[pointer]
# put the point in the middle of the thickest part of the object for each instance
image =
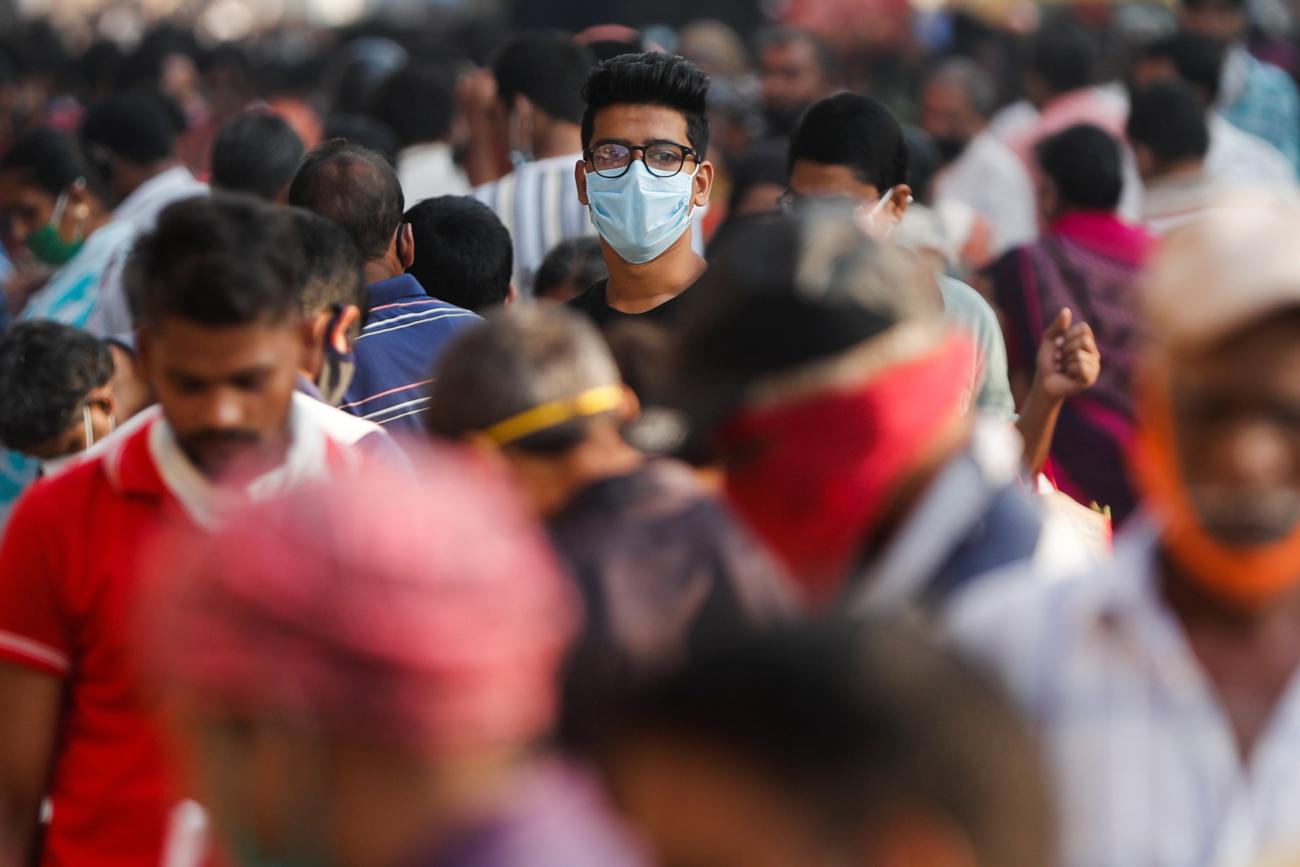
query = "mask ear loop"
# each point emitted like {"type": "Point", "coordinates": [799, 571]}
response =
{"type": "Point", "coordinates": [87, 427]}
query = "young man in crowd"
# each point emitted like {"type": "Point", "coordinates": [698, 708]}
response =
{"type": "Point", "coordinates": [216, 301]}
{"type": "Point", "coordinates": [823, 744]}
{"type": "Point", "coordinates": [258, 153]}
{"type": "Point", "coordinates": [851, 147]}
{"type": "Point", "coordinates": [1170, 140]}
{"type": "Point", "coordinates": [1164, 684]}
{"type": "Point", "coordinates": [58, 388]}
{"type": "Point", "coordinates": [796, 68]}
{"type": "Point", "coordinates": [645, 139]}
{"type": "Point", "coordinates": [655, 557]}
{"type": "Point", "coordinates": [130, 140]}
{"type": "Point", "coordinates": [821, 374]}
{"type": "Point", "coordinates": [417, 624]}
{"type": "Point", "coordinates": [418, 104]}
{"type": "Point", "coordinates": [406, 329]}
{"type": "Point", "coordinates": [462, 251]}
{"type": "Point", "coordinates": [538, 82]}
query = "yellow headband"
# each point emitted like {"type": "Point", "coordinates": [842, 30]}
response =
{"type": "Point", "coordinates": [591, 402]}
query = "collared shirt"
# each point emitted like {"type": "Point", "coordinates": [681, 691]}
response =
{"type": "Point", "coordinates": [396, 353]}
{"type": "Point", "coordinates": [1146, 766]}
{"type": "Point", "coordinates": [428, 170]}
{"type": "Point", "coordinates": [70, 583]}
{"type": "Point", "coordinates": [1262, 99]}
{"type": "Point", "coordinates": [994, 183]}
{"type": "Point", "coordinates": [140, 212]}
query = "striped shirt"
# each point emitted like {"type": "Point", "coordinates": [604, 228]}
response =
{"type": "Point", "coordinates": [538, 203]}
{"type": "Point", "coordinates": [396, 352]}
{"type": "Point", "coordinates": [1145, 763]}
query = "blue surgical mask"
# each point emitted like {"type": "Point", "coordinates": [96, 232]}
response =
{"type": "Point", "coordinates": [640, 215]}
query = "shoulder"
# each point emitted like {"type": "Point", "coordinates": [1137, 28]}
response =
{"type": "Point", "coordinates": [968, 306]}
{"type": "Point", "coordinates": [591, 301]}
{"type": "Point", "coordinates": [336, 424]}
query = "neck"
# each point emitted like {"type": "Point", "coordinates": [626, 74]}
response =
{"type": "Point", "coordinates": [557, 139]}
{"type": "Point", "coordinates": [137, 176]}
{"type": "Point", "coordinates": [1179, 172]}
{"type": "Point", "coordinates": [638, 288]}
{"type": "Point", "coordinates": [604, 455]}
{"type": "Point", "coordinates": [377, 270]}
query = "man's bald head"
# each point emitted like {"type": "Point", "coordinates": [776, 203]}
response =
{"type": "Point", "coordinates": [354, 187]}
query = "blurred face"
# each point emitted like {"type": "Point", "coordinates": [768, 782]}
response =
{"type": "Point", "coordinates": [226, 391]}
{"type": "Point", "coordinates": [25, 206]}
{"type": "Point", "coordinates": [94, 421]}
{"type": "Point", "coordinates": [948, 116]}
{"type": "Point", "coordinates": [811, 181]}
{"type": "Point", "coordinates": [1237, 413]}
{"type": "Point", "coordinates": [1217, 19]}
{"type": "Point", "coordinates": [792, 79]}
{"type": "Point", "coordinates": [697, 808]}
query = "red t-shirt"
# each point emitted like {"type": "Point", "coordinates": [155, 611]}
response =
{"type": "Point", "coordinates": [69, 584]}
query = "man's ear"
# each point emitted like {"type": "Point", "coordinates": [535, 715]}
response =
{"type": "Point", "coordinates": [897, 206]}
{"type": "Point", "coordinates": [631, 407]}
{"type": "Point", "coordinates": [580, 178]}
{"type": "Point", "coordinates": [703, 184]}
{"type": "Point", "coordinates": [406, 245]}
{"type": "Point", "coordinates": [312, 334]}
{"type": "Point", "coordinates": [512, 296]}
{"type": "Point", "coordinates": [340, 337]}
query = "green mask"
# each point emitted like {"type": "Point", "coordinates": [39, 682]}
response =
{"type": "Point", "coordinates": [47, 245]}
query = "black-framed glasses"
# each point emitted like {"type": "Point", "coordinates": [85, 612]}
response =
{"type": "Point", "coordinates": [663, 159]}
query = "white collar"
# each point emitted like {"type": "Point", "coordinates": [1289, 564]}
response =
{"type": "Point", "coordinates": [208, 504]}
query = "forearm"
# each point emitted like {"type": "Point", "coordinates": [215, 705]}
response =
{"type": "Point", "coordinates": [1037, 425]}
{"type": "Point", "coordinates": [19, 825]}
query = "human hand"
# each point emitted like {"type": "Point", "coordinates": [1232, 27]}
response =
{"type": "Point", "coordinates": [1068, 360]}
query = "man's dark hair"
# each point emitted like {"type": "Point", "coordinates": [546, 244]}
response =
{"type": "Point", "coordinates": [1196, 5]}
{"type": "Point", "coordinates": [852, 130]}
{"type": "Point", "coordinates": [1086, 165]}
{"type": "Point", "coordinates": [1169, 119]}
{"type": "Point", "coordinates": [650, 79]}
{"type": "Point", "coordinates": [463, 253]}
{"type": "Point", "coordinates": [827, 59]}
{"type": "Point", "coordinates": [1197, 58]}
{"type": "Point", "coordinates": [51, 160]}
{"type": "Point", "coordinates": [217, 261]}
{"type": "Point", "coordinates": [256, 152]}
{"type": "Point", "coordinates": [359, 129]}
{"type": "Point", "coordinates": [417, 103]}
{"type": "Point", "coordinates": [46, 371]}
{"type": "Point", "coordinates": [1064, 56]}
{"type": "Point", "coordinates": [547, 68]}
{"type": "Point", "coordinates": [356, 188]}
{"type": "Point", "coordinates": [846, 721]}
{"type": "Point", "coordinates": [135, 126]}
{"type": "Point", "coordinates": [331, 265]}
{"type": "Point", "coordinates": [578, 261]}
{"type": "Point", "coordinates": [520, 358]}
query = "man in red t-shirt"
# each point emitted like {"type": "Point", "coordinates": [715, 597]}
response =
{"type": "Point", "coordinates": [221, 337]}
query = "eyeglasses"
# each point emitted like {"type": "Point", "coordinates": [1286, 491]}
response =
{"type": "Point", "coordinates": [663, 159]}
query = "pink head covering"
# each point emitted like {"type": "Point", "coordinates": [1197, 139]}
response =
{"type": "Point", "coordinates": [426, 610]}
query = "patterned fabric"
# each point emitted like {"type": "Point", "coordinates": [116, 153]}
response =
{"type": "Point", "coordinates": [1088, 263]}
{"type": "Point", "coordinates": [1263, 100]}
{"type": "Point", "coordinates": [1146, 766]}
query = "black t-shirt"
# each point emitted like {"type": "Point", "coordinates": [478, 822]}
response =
{"type": "Point", "coordinates": [593, 303]}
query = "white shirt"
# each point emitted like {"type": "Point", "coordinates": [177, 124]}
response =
{"type": "Point", "coordinates": [1169, 203]}
{"type": "Point", "coordinates": [993, 181]}
{"type": "Point", "coordinates": [1236, 155]}
{"type": "Point", "coordinates": [429, 170]}
{"type": "Point", "coordinates": [1145, 764]}
{"type": "Point", "coordinates": [140, 210]}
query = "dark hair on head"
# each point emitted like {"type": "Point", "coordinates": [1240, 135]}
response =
{"type": "Point", "coordinates": [51, 160]}
{"type": "Point", "coordinates": [763, 162]}
{"type": "Point", "coordinates": [463, 253]}
{"type": "Point", "coordinates": [144, 66]}
{"type": "Point", "coordinates": [827, 58]}
{"type": "Point", "coordinates": [366, 132]}
{"type": "Point", "coordinates": [217, 261]}
{"type": "Point", "coordinates": [46, 371]}
{"type": "Point", "coordinates": [1169, 119]}
{"type": "Point", "coordinates": [1064, 56]}
{"type": "Point", "coordinates": [923, 162]}
{"type": "Point", "coordinates": [331, 265]}
{"type": "Point", "coordinates": [1086, 165]}
{"type": "Point", "coordinates": [577, 261]}
{"type": "Point", "coordinates": [857, 131]}
{"type": "Point", "coordinates": [136, 126]}
{"type": "Point", "coordinates": [417, 103]}
{"type": "Point", "coordinates": [356, 188]}
{"type": "Point", "coordinates": [1197, 58]}
{"type": "Point", "coordinates": [650, 79]}
{"type": "Point", "coordinates": [256, 152]}
{"type": "Point", "coordinates": [547, 68]}
{"type": "Point", "coordinates": [519, 358]}
{"type": "Point", "coordinates": [844, 722]}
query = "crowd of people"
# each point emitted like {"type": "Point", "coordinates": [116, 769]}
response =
{"type": "Point", "coordinates": [463, 447]}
